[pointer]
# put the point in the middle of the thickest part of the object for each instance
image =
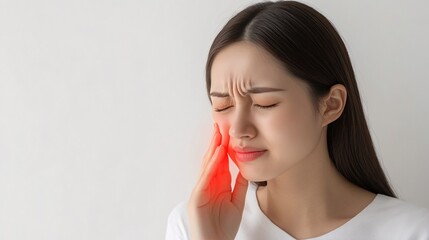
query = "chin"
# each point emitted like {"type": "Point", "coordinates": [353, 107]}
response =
{"type": "Point", "coordinates": [253, 176]}
{"type": "Point", "coordinates": [251, 173]}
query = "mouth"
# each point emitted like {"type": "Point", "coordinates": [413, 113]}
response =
{"type": "Point", "coordinates": [247, 156]}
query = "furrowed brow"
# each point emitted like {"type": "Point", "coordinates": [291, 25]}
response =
{"type": "Point", "coordinates": [256, 90]}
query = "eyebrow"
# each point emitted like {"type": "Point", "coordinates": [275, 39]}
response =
{"type": "Point", "coordinates": [255, 90]}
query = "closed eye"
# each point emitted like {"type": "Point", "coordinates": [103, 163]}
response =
{"type": "Point", "coordinates": [256, 105]}
{"type": "Point", "coordinates": [269, 106]}
{"type": "Point", "coordinates": [220, 110]}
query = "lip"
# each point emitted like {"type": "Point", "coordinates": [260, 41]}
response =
{"type": "Point", "coordinates": [248, 154]}
{"type": "Point", "coordinates": [247, 149]}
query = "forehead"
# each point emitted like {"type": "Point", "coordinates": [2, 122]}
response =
{"type": "Point", "coordinates": [248, 65]}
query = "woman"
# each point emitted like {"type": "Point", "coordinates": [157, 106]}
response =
{"type": "Point", "coordinates": [288, 113]}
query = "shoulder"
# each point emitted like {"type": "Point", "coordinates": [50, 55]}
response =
{"type": "Point", "coordinates": [401, 208]}
{"type": "Point", "coordinates": [404, 218]}
{"type": "Point", "coordinates": [177, 223]}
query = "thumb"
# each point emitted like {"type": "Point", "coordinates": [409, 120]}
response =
{"type": "Point", "coordinates": [239, 194]}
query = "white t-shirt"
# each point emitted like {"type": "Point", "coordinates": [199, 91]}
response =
{"type": "Point", "coordinates": [384, 218]}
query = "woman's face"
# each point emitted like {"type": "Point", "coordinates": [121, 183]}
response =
{"type": "Point", "coordinates": [288, 131]}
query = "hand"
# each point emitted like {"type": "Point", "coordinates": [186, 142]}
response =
{"type": "Point", "coordinates": [215, 211]}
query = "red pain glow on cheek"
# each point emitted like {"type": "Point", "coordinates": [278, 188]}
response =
{"type": "Point", "coordinates": [221, 180]}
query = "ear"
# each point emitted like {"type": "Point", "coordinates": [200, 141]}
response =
{"type": "Point", "coordinates": [332, 105]}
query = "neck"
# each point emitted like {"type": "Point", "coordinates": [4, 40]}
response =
{"type": "Point", "coordinates": [306, 192]}
{"type": "Point", "coordinates": [311, 193]}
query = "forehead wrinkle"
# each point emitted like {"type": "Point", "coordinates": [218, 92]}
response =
{"type": "Point", "coordinates": [238, 84]}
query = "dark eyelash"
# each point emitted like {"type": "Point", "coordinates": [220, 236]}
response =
{"type": "Point", "coordinates": [220, 110]}
{"type": "Point", "coordinates": [259, 106]}
{"type": "Point", "coordinates": [269, 106]}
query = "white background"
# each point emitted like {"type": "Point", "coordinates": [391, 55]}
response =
{"type": "Point", "coordinates": [104, 116]}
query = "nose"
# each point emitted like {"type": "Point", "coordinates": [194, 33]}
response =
{"type": "Point", "coordinates": [241, 126]}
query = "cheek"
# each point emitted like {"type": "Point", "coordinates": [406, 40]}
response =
{"type": "Point", "coordinates": [292, 132]}
{"type": "Point", "coordinates": [223, 127]}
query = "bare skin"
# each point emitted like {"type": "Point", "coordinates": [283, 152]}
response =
{"type": "Point", "coordinates": [214, 209]}
{"type": "Point", "coordinates": [312, 204]}
{"type": "Point", "coordinates": [306, 196]}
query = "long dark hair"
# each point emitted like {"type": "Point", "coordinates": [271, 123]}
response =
{"type": "Point", "coordinates": [310, 48]}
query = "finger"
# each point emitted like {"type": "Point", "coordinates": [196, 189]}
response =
{"type": "Point", "coordinates": [225, 140]}
{"type": "Point", "coordinates": [201, 194]}
{"type": "Point", "coordinates": [209, 172]}
{"type": "Point", "coordinates": [224, 168]}
{"type": "Point", "coordinates": [239, 194]}
{"type": "Point", "coordinates": [215, 142]}
{"type": "Point", "coordinates": [222, 174]}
